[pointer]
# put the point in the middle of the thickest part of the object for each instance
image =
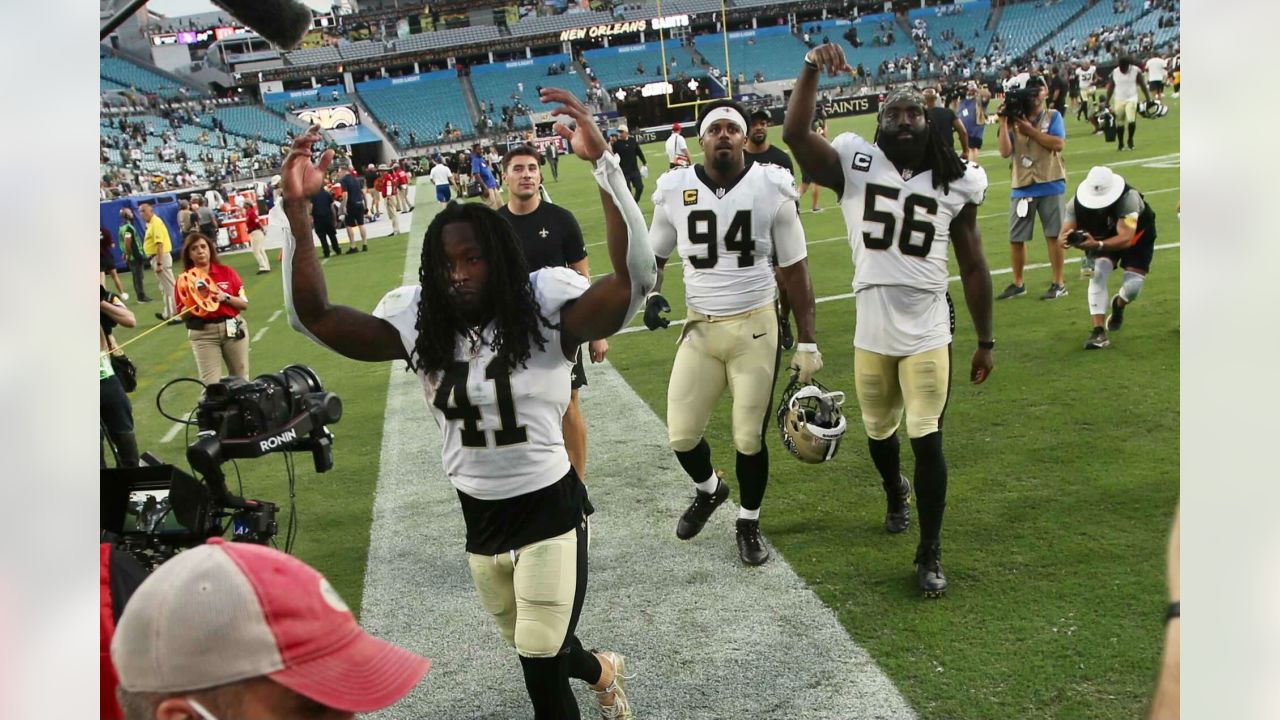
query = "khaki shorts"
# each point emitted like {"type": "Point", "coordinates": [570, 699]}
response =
{"type": "Point", "coordinates": [1049, 208]}
{"type": "Point", "coordinates": [887, 386]}
{"type": "Point", "coordinates": [530, 592]}
{"type": "Point", "coordinates": [737, 352]}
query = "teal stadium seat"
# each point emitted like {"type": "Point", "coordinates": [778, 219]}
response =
{"type": "Point", "coordinates": [421, 103]}
{"type": "Point", "coordinates": [497, 82]}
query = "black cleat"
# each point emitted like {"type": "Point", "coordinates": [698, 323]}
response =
{"type": "Point", "coordinates": [933, 583]}
{"type": "Point", "coordinates": [897, 517]}
{"type": "Point", "coordinates": [788, 339]}
{"type": "Point", "coordinates": [1097, 340]}
{"type": "Point", "coordinates": [700, 509]}
{"type": "Point", "coordinates": [1116, 319]}
{"type": "Point", "coordinates": [1012, 291]}
{"type": "Point", "coordinates": [751, 547]}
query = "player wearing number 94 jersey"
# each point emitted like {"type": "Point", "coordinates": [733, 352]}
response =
{"type": "Point", "coordinates": [905, 197]}
{"type": "Point", "coordinates": [494, 348]}
{"type": "Point", "coordinates": [725, 218]}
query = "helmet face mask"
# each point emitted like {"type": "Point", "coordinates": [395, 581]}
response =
{"type": "Point", "coordinates": [811, 421]}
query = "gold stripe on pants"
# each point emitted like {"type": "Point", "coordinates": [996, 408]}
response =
{"type": "Point", "coordinates": [530, 592]}
{"type": "Point", "coordinates": [738, 352]}
{"type": "Point", "coordinates": [211, 346]}
{"type": "Point", "coordinates": [887, 385]}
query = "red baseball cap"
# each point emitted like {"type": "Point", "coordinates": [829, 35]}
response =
{"type": "Point", "coordinates": [225, 612]}
{"type": "Point", "coordinates": [675, 127]}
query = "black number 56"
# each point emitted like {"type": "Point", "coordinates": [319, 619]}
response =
{"type": "Point", "coordinates": [917, 233]}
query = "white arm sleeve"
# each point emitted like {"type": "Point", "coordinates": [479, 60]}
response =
{"type": "Point", "coordinates": [788, 235]}
{"type": "Point", "coordinates": [291, 244]}
{"type": "Point", "coordinates": [662, 234]}
{"type": "Point", "coordinates": [641, 266]}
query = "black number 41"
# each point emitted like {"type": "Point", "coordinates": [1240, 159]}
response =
{"type": "Point", "coordinates": [452, 400]}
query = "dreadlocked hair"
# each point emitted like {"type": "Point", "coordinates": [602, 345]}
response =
{"type": "Point", "coordinates": [516, 320]}
{"type": "Point", "coordinates": [946, 165]}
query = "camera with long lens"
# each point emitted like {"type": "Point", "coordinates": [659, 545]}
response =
{"type": "Point", "coordinates": [157, 510]}
{"type": "Point", "coordinates": [1020, 103]}
{"type": "Point", "coordinates": [1076, 238]}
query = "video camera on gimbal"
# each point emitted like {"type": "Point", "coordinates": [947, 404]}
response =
{"type": "Point", "coordinates": [157, 510]}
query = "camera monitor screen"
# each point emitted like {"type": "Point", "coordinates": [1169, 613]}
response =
{"type": "Point", "coordinates": [155, 500]}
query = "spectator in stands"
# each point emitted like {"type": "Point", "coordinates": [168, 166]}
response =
{"type": "Point", "coordinates": [1035, 144]}
{"type": "Point", "coordinates": [324, 218]}
{"type": "Point", "coordinates": [223, 335]}
{"type": "Point", "coordinates": [944, 122]}
{"type": "Point", "coordinates": [157, 245]}
{"type": "Point", "coordinates": [235, 630]}
{"type": "Point", "coordinates": [630, 157]}
{"type": "Point", "coordinates": [353, 189]}
{"type": "Point", "coordinates": [131, 249]}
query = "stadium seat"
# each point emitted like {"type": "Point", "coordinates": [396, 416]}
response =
{"type": "Point", "coordinates": [129, 74]}
{"type": "Point", "coordinates": [1025, 25]}
{"type": "Point", "coordinates": [498, 82]}
{"type": "Point", "coordinates": [616, 66]}
{"type": "Point", "coordinates": [422, 105]}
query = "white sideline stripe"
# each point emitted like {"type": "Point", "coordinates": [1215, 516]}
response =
{"type": "Point", "coordinates": [849, 295]}
{"type": "Point", "coordinates": [842, 237]}
{"type": "Point", "coordinates": [274, 315]}
{"type": "Point", "coordinates": [708, 636]}
{"type": "Point", "coordinates": [173, 433]}
{"type": "Point", "coordinates": [258, 335]}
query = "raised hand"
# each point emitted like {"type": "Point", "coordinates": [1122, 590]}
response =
{"type": "Point", "coordinates": [830, 59]}
{"type": "Point", "coordinates": [299, 177]}
{"type": "Point", "coordinates": [585, 139]}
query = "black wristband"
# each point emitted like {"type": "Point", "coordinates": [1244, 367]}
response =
{"type": "Point", "coordinates": [987, 345]}
{"type": "Point", "coordinates": [1174, 611]}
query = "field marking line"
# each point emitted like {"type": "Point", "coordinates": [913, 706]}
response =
{"type": "Point", "coordinates": [275, 315]}
{"type": "Point", "coordinates": [258, 335]}
{"type": "Point", "coordinates": [173, 432]}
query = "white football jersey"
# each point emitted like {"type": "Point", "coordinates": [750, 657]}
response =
{"type": "Point", "coordinates": [502, 429]}
{"type": "Point", "coordinates": [1085, 76]}
{"type": "Point", "coordinates": [725, 235]}
{"type": "Point", "coordinates": [899, 231]}
{"type": "Point", "coordinates": [1126, 84]}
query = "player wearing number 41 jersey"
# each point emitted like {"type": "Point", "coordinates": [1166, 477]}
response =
{"type": "Point", "coordinates": [905, 197]}
{"type": "Point", "coordinates": [726, 218]}
{"type": "Point", "coordinates": [494, 348]}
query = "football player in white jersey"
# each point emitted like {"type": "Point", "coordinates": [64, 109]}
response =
{"type": "Point", "coordinates": [494, 346]}
{"type": "Point", "coordinates": [726, 218]}
{"type": "Point", "coordinates": [1125, 81]}
{"type": "Point", "coordinates": [905, 198]}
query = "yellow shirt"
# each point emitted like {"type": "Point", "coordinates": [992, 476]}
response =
{"type": "Point", "coordinates": [157, 235]}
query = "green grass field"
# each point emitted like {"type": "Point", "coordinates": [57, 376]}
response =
{"type": "Point", "coordinates": [1063, 466]}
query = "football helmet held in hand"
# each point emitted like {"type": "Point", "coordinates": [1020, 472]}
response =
{"type": "Point", "coordinates": [811, 420]}
{"type": "Point", "coordinates": [654, 306]}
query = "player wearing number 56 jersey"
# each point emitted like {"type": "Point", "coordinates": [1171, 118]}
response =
{"type": "Point", "coordinates": [494, 348]}
{"type": "Point", "coordinates": [726, 218]}
{"type": "Point", "coordinates": [905, 197]}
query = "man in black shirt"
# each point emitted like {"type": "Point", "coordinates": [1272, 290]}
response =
{"type": "Point", "coordinates": [353, 188]}
{"type": "Point", "coordinates": [1059, 90]}
{"type": "Point", "coordinates": [628, 152]}
{"type": "Point", "coordinates": [372, 200]}
{"type": "Point", "coordinates": [550, 237]}
{"type": "Point", "coordinates": [945, 123]}
{"type": "Point", "coordinates": [324, 218]}
{"type": "Point", "coordinates": [758, 149]}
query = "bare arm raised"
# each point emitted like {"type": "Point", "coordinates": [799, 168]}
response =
{"type": "Point", "coordinates": [345, 330]}
{"type": "Point", "coordinates": [815, 155]}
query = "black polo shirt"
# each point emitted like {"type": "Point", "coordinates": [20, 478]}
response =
{"type": "Point", "coordinates": [944, 125]}
{"type": "Point", "coordinates": [629, 154]}
{"type": "Point", "coordinates": [549, 236]}
{"type": "Point", "coordinates": [774, 155]}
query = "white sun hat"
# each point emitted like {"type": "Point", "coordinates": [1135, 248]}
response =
{"type": "Point", "coordinates": [1100, 188]}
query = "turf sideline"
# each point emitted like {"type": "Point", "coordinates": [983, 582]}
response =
{"type": "Point", "coordinates": [707, 636]}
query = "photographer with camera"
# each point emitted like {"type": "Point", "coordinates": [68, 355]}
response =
{"type": "Point", "coordinates": [1034, 137]}
{"type": "Point", "coordinates": [237, 631]}
{"type": "Point", "coordinates": [114, 409]}
{"type": "Point", "coordinates": [1112, 222]}
{"type": "Point", "coordinates": [972, 111]}
{"type": "Point", "coordinates": [222, 334]}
